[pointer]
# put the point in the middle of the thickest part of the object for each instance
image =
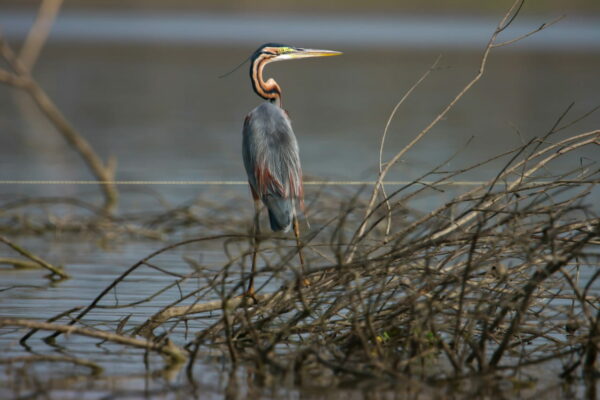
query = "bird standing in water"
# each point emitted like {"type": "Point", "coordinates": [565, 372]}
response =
{"type": "Point", "coordinates": [270, 149]}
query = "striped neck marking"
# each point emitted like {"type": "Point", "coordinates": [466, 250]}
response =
{"type": "Point", "coordinates": [268, 90]}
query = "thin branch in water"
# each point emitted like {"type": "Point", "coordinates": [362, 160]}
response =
{"type": "Point", "coordinates": [56, 273]}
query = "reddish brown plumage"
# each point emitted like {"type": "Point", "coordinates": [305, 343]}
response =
{"type": "Point", "coordinates": [266, 180]}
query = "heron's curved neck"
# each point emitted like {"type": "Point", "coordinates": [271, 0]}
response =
{"type": "Point", "coordinates": [268, 90]}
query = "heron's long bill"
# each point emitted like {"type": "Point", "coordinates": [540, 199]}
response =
{"type": "Point", "coordinates": [306, 53]}
{"type": "Point", "coordinates": [296, 54]}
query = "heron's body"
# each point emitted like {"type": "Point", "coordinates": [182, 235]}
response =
{"type": "Point", "coordinates": [272, 163]}
{"type": "Point", "coordinates": [270, 149]}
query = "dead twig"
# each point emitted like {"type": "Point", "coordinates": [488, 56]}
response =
{"type": "Point", "coordinates": [56, 273]}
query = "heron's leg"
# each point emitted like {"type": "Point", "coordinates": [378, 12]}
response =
{"type": "Point", "coordinates": [298, 243]}
{"type": "Point", "coordinates": [255, 244]}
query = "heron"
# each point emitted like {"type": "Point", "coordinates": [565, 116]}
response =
{"type": "Point", "coordinates": [270, 150]}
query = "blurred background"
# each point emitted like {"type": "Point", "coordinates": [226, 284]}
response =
{"type": "Point", "coordinates": [139, 80]}
{"type": "Point", "coordinates": [308, 6]}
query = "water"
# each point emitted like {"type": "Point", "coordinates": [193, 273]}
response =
{"type": "Point", "coordinates": [160, 109]}
{"type": "Point", "coordinates": [574, 33]}
{"type": "Point", "coordinates": [164, 114]}
{"type": "Point", "coordinates": [147, 93]}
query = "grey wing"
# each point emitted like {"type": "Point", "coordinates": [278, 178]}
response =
{"type": "Point", "coordinates": [272, 163]}
{"type": "Point", "coordinates": [271, 155]}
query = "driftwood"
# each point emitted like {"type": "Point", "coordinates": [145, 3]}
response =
{"type": "Point", "coordinates": [168, 349]}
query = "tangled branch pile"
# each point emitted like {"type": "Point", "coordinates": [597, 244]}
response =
{"type": "Point", "coordinates": [487, 282]}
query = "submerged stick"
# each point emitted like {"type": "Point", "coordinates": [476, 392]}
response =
{"type": "Point", "coordinates": [18, 263]}
{"type": "Point", "coordinates": [175, 354]}
{"type": "Point", "coordinates": [55, 271]}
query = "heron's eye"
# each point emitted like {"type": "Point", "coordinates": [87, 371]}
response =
{"type": "Point", "coordinates": [284, 50]}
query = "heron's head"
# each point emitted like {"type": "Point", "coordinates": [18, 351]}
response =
{"type": "Point", "coordinates": [280, 52]}
{"type": "Point", "coordinates": [271, 52]}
